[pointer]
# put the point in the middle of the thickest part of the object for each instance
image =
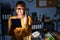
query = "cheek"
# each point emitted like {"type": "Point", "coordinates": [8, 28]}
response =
{"type": "Point", "coordinates": [22, 11]}
{"type": "Point", "coordinates": [17, 11]}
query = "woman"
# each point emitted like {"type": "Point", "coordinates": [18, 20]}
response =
{"type": "Point", "coordinates": [23, 33]}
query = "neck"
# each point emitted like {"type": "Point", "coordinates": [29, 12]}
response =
{"type": "Point", "coordinates": [20, 16]}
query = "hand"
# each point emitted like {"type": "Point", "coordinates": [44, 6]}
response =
{"type": "Point", "coordinates": [18, 31]}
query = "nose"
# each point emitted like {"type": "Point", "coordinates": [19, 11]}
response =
{"type": "Point", "coordinates": [19, 9]}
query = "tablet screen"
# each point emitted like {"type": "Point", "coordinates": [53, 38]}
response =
{"type": "Point", "coordinates": [15, 23]}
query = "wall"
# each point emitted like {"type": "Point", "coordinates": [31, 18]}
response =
{"type": "Point", "coordinates": [32, 6]}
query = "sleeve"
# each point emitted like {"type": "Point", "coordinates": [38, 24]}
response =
{"type": "Point", "coordinates": [30, 21]}
{"type": "Point", "coordinates": [28, 29]}
{"type": "Point", "coordinates": [10, 32]}
{"type": "Point", "coordinates": [29, 26]}
{"type": "Point", "coordinates": [9, 24]}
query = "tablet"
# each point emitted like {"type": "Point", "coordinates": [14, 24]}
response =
{"type": "Point", "coordinates": [15, 23]}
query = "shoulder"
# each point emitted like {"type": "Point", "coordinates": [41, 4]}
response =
{"type": "Point", "coordinates": [12, 17]}
{"type": "Point", "coordinates": [29, 17]}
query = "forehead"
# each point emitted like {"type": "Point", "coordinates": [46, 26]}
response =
{"type": "Point", "coordinates": [18, 6]}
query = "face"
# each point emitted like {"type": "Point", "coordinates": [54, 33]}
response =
{"type": "Point", "coordinates": [20, 10]}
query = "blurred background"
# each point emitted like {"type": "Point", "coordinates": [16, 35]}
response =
{"type": "Point", "coordinates": [45, 15]}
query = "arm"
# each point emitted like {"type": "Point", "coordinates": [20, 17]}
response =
{"type": "Point", "coordinates": [28, 29]}
{"type": "Point", "coordinates": [9, 24]}
{"type": "Point", "coordinates": [29, 26]}
{"type": "Point", "coordinates": [9, 27]}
